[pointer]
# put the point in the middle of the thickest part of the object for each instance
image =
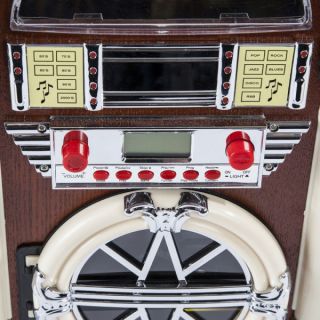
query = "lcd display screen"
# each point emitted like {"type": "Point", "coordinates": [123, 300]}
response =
{"type": "Point", "coordinates": [172, 76]}
{"type": "Point", "coordinates": [157, 145]}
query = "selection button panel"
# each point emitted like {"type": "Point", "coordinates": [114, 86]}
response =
{"type": "Point", "coordinates": [264, 75]}
{"type": "Point", "coordinates": [55, 77]}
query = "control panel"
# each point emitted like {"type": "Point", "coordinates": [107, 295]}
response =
{"type": "Point", "coordinates": [224, 76]}
{"type": "Point", "coordinates": [216, 156]}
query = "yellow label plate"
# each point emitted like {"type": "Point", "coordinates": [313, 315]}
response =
{"type": "Point", "coordinates": [263, 76]}
{"type": "Point", "coordinates": [55, 77]}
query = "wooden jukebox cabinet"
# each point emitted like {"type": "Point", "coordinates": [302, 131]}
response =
{"type": "Point", "coordinates": [156, 159]}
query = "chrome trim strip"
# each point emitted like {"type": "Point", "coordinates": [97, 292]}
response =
{"type": "Point", "coordinates": [24, 105]}
{"type": "Point", "coordinates": [300, 83]}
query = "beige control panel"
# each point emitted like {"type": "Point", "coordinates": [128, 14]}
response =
{"type": "Point", "coordinates": [55, 76]}
{"type": "Point", "coordinates": [264, 75]}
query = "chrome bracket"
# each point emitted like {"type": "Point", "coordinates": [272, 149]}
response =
{"type": "Point", "coordinates": [169, 219]}
{"type": "Point", "coordinates": [49, 302]}
{"type": "Point", "coordinates": [273, 304]}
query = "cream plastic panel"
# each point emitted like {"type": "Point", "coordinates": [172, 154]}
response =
{"type": "Point", "coordinates": [5, 304]}
{"type": "Point", "coordinates": [105, 220]}
{"type": "Point", "coordinates": [307, 291]}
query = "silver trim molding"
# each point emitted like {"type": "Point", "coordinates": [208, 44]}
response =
{"type": "Point", "coordinates": [300, 80]}
{"type": "Point", "coordinates": [19, 83]}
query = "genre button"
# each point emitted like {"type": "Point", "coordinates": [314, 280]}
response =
{"type": "Point", "coordinates": [276, 69]}
{"type": "Point", "coordinates": [43, 71]}
{"type": "Point", "coordinates": [277, 55]}
{"type": "Point", "coordinates": [66, 71]}
{"type": "Point", "coordinates": [255, 69]}
{"type": "Point", "coordinates": [250, 96]}
{"type": "Point", "coordinates": [43, 56]}
{"type": "Point", "coordinates": [66, 56]}
{"type": "Point", "coordinates": [67, 84]}
{"type": "Point", "coordinates": [255, 55]}
{"type": "Point", "coordinates": [252, 83]}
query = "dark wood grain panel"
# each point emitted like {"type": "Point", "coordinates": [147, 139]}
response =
{"type": "Point", "coordinates": [33, 210]}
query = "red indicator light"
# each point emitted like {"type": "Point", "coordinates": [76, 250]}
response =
{"type": "Point", "coordinates": [17, 71]}
{"type": "Point", "coordinates": [304, 54]}
{"type": "Point", "coordinates": [227, 70]}
{"type": "Point", "coordinates": [93, 55]}
{"type": "Point", "coordinates": [93, 86]}
{"type": "Point", "coordinates": [16, 55]}
{"type": "Point", "coordinates": [226, 85]}
{"type": "Point", "coordinates": [302, 69]}
{"type": "Point", "coordinates": [93, 101]}
{"type": "Point", "coordinates": [225, 101]}
{"type": "Point", "coordinates": [229, 55]}
{"type": "Point", "coordinates": [93, 71]}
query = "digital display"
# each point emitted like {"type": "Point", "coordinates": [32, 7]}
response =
{"type": "Point", "coordinates": [156, 76]}
{"type": "Point", "coordinates": [157, 145]}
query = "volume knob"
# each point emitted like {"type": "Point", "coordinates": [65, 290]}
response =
{"type": "Point", "coordinates": [240, 150]}
{"type": "Point", "coordinates": [75, 151]}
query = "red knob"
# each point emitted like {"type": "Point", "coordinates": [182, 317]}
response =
{"type": "Point", "coordinates": [75, 151]}
{"type": "Point", "coordinates": [240, 150]}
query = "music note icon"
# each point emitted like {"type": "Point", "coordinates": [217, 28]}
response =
{"type": "Point", "coordinates": [45, 87]}
{"type": "Point", "coordinates": [274, 88]}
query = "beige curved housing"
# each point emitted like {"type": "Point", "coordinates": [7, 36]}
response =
{"type": "Point", "coordinates": [5, 304]}
{"type": "Point", "coordinates": [105, 220]}
{"type": "Point", "coordinates": [307, 291]}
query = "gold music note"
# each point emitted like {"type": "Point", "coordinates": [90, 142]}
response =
{"type": "Point", "coordinates": [274, 86]}
{"type": "Point", "coordinates": [45, 87]}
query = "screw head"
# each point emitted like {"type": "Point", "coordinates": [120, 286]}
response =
{"type": "Point", "coordinates": [42, 128]}
{"type": "Point", "coordinates": [273, 127]}
{"type": "Point", "coordinates": [269, 167]}
{"type": "Point", "coordinates": [44, 168]}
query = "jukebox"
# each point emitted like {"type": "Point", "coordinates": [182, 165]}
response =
{"type": "Point", "coordinates": [160, 160]}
